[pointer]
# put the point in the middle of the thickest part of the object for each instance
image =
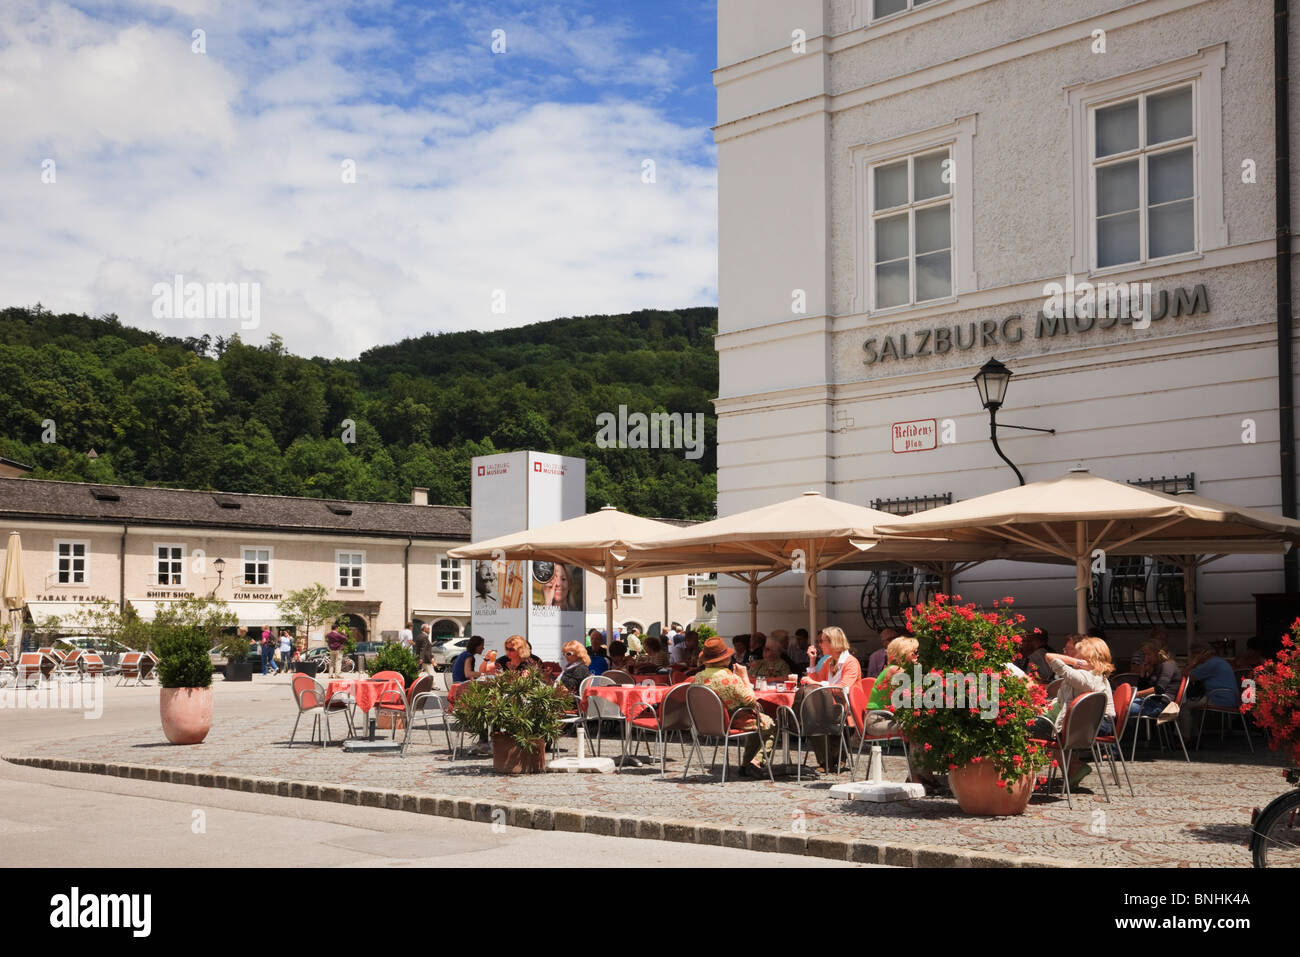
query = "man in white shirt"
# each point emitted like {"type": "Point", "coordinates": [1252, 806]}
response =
{"type": "Point", "coordinates": [406, 636]}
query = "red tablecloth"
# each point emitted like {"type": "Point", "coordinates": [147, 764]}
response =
{"type": "Point", "coordinates": [656, 678]}
{"type": "Point", "coordinates": [858, 695]}
{"type": "Point", "coordinates": [627, 697]}
{"type": "Point", "coordinates": [365, 691]}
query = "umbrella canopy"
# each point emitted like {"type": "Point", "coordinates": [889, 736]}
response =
{"type": "Point", "coordinates": [1078, 514]}
{"type": "Point", "coordinates": [599, 543]}
{"type": "Point", "coordinates": [812, 533]}
{"type": "Point", "coordinates": [13, 589]}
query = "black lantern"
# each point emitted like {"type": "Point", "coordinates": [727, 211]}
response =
{"type": "Point", "coordinates": [220, 565]}
{"type": "Point", "coordinates": [992, 381]}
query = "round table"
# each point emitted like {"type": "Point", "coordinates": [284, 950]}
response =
{"type": "Point", "coordinates": [627, 697]}
{"type": "Point", "coordinates": [364, 691]}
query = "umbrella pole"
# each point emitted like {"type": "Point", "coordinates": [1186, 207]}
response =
{"type": "Point", "coordinates": [753, 605]}
{"type": "Point", "coordinates": [611, 582]}
{"type": "Point", "coordinates": [1189, 600]}
{"type": "Point", "coordinates": [1081, 575]}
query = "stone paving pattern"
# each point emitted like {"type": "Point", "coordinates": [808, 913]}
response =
{"type": "Point", "coordinates": [1184, 814]}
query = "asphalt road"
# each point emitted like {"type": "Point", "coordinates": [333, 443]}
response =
{"type": "Point", "coordinates": [65, 819]}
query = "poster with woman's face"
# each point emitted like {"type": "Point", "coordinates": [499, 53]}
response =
{"type": "Point", "coordinates": [557, 585]}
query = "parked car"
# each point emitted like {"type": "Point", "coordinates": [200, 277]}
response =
{"type": "Point", "coordinates": [322, 658]}
{"type": "Point", "coordinates": [447, 650]}
{"type": "Point", "coordinates": [254, 657]}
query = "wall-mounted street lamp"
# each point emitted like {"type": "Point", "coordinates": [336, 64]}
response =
{"type": "Point", "coordinates": [220, 565]}
{"type": "Point", "coordinates": [992, 381]}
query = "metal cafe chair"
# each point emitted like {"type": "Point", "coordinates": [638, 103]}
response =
{"type": "Point", "coordinates": [710, 723]}
{"type": "Point", "coordinates": [670, 715]}
{"type": "Point", "coordinates": [1082, 722]}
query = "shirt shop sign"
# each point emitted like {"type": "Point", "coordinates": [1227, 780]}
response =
{"type": "Point", "coordinates": [1081, 318]}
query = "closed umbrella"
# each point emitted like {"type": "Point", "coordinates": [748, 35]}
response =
{"type": "Point", "coordinates": [13, 590]}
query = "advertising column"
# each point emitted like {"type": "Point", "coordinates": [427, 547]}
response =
{"type": "Point", "coordinates": [557, 490]}
{"type": "Point", "coordinates": [542, 601]}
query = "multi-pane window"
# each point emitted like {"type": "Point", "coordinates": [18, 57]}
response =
{"type": "Point", "coordinates": [170, 565]}
{"type": "Point", "coordinates": [449, 574]}
{"type": "Point", "coordinates": [887, 8]}
{"type": "Point", "coordinates": [911, 226]}
{"type": "Point", "coordinates": [630, 587]}
{"type": "Point", "coordinates": [257, 566]}
{"type": "Point", "coordinates": [351, 569]}
{"type": "Point", "coordinates": [695, 578]}
{"type": "Point", "coordinates": [1144, 176]}
{"type": "Point", "coordinates": [70, 562]}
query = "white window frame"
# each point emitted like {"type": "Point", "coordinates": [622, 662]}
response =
{"type": "Point", "coordinates": [1204, 72]}
{"type": "Point", "coordinates": [85, 562]}
{"type": "Point", "coordinates": [958, 136]}
{"type": "Point", "coordinates": [629, 587]}
{"type": "Point", "coordinates": [338, 566]}
{"type": "Point", "coordinates": [869, 16]}
{"type": "Point", "coordinates": [156, 560]}
{"type": "Point", "coordinates": [450, 567]}
{"type": "Point", "coordinates": [694, 578]}
{"type": "Point", "coordinates": [270, 563]}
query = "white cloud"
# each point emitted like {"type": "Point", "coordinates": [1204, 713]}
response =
{"type": "Point", "coordinates": [163, 168]}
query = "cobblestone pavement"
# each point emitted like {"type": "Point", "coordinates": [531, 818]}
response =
{"type": "Point", "coordinates": [1183, 815]}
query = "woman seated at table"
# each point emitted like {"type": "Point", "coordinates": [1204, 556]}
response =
{"type": "Point", "coordinates": [732, 686]}
{"type": "Point", "coordinates": [1160, 676]}
{"type": "Point", "coordinates": [771, 665]}
{"type": "Point", "coordinates": [1079, 675]}
{"type": "Point", "coordinates": [840, 670]}
{"type": "Point", "coordinates": [740, 650]}
{"type": "Point", "coordinates": [653, 658]}
{"type": "Point", "coordinates": [575, 670]}
{"type": "Point", "coordinates": [463, 669]}
{"type": "Point", "coordinates": [519, 655]}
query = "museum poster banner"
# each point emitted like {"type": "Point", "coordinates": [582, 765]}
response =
{"type": "Point", "coordinates": [511, 492]}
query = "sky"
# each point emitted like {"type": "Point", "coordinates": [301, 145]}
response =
{"type": "Point", "coordinates": [363, 170]}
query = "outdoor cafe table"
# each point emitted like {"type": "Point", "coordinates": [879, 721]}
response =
{"type": "Point", "coordinates": [627, 697]}
{"type": "Point", "coordinates": [364, 691]}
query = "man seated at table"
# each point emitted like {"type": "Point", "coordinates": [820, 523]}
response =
{"type": "Point", "coordinates": [618, 656]}
{"type": "Point", "coordinates": [771, 665]}
{"type": "Point", "coordinates": [685, 652]}
{"type": "Point", "coordinates": [880, 657]}
{"type": "Point", "coordinates": [652, 658]}
{"type": "Point", "coordinates": [733, 688]}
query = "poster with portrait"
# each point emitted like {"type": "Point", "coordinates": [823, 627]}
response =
{"type": "Point", "coordinates": [557, 608]}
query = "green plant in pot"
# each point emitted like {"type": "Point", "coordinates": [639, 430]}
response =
{"type": "Point", "coordinates": [963, 712]}
{"type": "Point", "coordinates": [180, 636]}
{"type": "Point", "coordinates": [522, 711]}
{"type": "Point", "coordinates": [395, 656]}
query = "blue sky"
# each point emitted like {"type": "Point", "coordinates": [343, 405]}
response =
{"type": "Point", "coordinates": [571, 173]}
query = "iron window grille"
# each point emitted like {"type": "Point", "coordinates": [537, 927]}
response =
{"type": "Point", "coordinates": [1137, 591]}
{"type": "Point", "coordinates": [889, 593]}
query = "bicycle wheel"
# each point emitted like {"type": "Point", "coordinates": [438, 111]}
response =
{"type": "Point", "coordinates": [1276, 841]}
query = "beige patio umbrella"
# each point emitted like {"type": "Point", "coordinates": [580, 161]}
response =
{"type": "Point", "coordinates": [1080, 516]}
{"type": "Point", "coordinates": [13, 591]}
{"type": "Point", "coordinates": [809, 533]}
{"type": "Point", "coordinates": [598, 543]}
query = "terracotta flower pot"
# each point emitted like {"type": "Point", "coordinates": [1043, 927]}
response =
{"type": "Point", "coordinates": [386, 720]}
{"type": "Point", "coordinates": [976, 789]}
{"type": "Point", "coordinates": [186, 714]}
{"type": "Point", "coordinates": [509, 758]}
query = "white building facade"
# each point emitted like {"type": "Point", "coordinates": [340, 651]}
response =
{"type": "Point", "coordinates": [900, 184]}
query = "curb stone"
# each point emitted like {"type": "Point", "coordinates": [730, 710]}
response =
{"type": "Point", "coordinates": [536, 817]}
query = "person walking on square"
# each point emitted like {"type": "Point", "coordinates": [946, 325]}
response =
{"type": "Point", "coordinates": [268, 652]}
{"type": "Point", "coordinates": [336, 641]}
{"type": "Point", "coordinates": [286, 650]}
{"type": "Point", "coordinates": [424, 651]}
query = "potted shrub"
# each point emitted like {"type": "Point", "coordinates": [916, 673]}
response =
{"type": "Point", "coordinates": [1275, 707]}
{"type": "Point", "coordinates": [523, 712]}
{"type": "Point", "coordinates": [983, 744]}
{"type": "Point", "coordinates": [395, 656]}
{"type": "Point", "coordinates": [180, 636]}
{"type": "Point", "coordinates": [235, 647]}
